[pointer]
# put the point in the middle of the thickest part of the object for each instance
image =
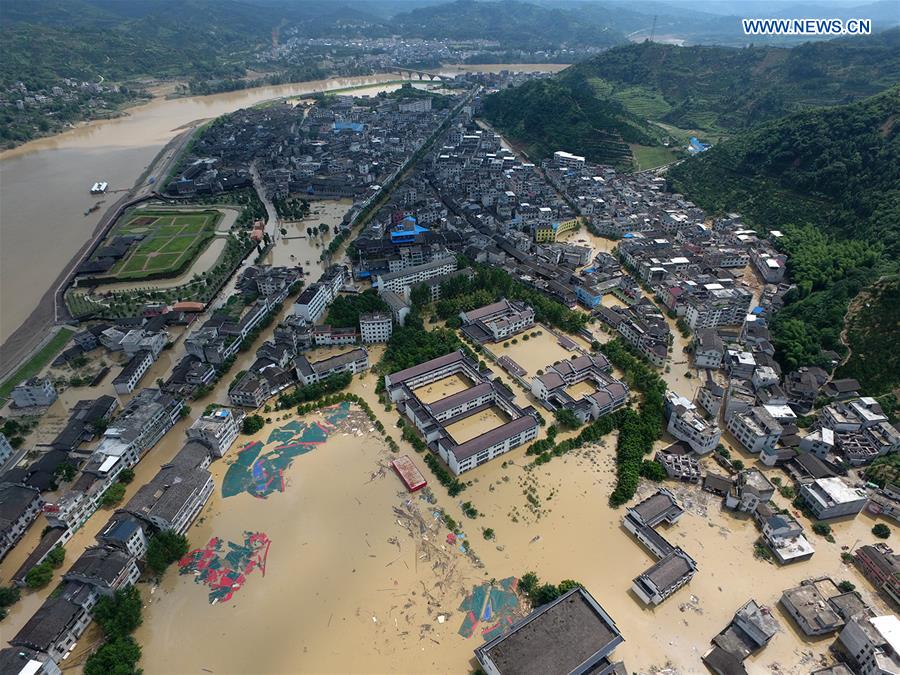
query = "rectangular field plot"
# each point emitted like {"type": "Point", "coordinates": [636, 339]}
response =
{"type": "Point", "coordinates": [171, 241]}
{"type": "Point", "coordinates": [477, 424]}
{"type": "Point", "coordinates": [444, 387]}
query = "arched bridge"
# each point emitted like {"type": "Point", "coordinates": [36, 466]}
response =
{"type": "Point", "coordinates": [414, 74]}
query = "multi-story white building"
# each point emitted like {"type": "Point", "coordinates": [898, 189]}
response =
{"type": "Point", "coordinates": [131, 375]}
{"type": "Point", "coordinates": [19, 506]}
{"type": "Point", "coordinates": [687, 425]}
{"type": "Point", "coordinates": [355, 361]}
{"type": "Point", "coordinates": [719, 306]}
{"type": "Point", "coordinates": [709, 349]}
{"type": "Point", "coordinates": [313, 302]}
{"type": "Point", "coordinates": [433, 419]}
{"type": "Point", "coordinates": [375, 327]}
{"type": "Point", "coordinates": [833, 498]}
{"type": "Point", "coordinates": [771, 265]}
{"type": "Point", "coordinates": [37, 391]}
{"type": "Point", "coordinates": [497, 321]}
{"type": "Point", "coordinates": [872, 644]}
{"type": "Point", "coordinates": [6, 450]}
{"type": "Point", "coordinates": [217, 430]}
{"type": "Point", "coordinates": [403, 281]}
{"type": "Point", "coordinates": [755, 429]}
{"type": "Point", "coordinates": [567, 159]}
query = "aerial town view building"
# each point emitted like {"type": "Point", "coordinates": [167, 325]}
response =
{"type": "Point", "coordinates": [449, 337]}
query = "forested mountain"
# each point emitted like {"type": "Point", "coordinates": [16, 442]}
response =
{"type": "Point", "coordinates": [512, 23]}
{"type": "Point", "coordinates": [42, 41]}
{"type": "Point", "coordinates": [830, 179]}
{"type": "Point", "coordinates": [716, 90]}
{"type": "Point", "coordinates": [549, 114]}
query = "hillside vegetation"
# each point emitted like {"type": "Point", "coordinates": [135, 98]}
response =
{"type": "Point", "coordinates": [517, 24]}
{"type": "Point", "coordinates": [830, 178]}
{"type": "Point", "coordinates": [716, 91]}
{"type": "Point", "coordinates": [547, 115]}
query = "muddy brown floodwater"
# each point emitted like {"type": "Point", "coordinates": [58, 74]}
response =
{"type": "Point", "coordinates": [349, 586]}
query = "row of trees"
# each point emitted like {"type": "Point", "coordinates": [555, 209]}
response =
{"type": "Point", "coordinates": [638, 429]}
{"type": "Point", "coordinates": [290, 208]}
{"type": "Point", "coordinates": [119, 616]}
{"type": "Point", "coordinates": [540, 594]}
{"type": "Point", "coordinates": [311, 392]}
{"type": "Point", "coordinates": [41, 575]}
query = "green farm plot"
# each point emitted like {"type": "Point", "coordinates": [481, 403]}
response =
{"type": "Point", "coordinates": [171, 241]}
{"type": "Point", "coordinates": [648, 156]}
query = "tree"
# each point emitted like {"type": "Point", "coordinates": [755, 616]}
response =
{"type": "Point", "coordinates": [252, 424]}
{"type": "Point", "coordinates": [9, 595]}
{"type": "Point", "coordinates": [56, 556]}
{"type": "Point", "coordinates": [119, 614]}
{"type": "Point", "coordinates": [39, 575]}
{"type": "Point", "coordinates": [881, 531]}
{"type": "Point", "coordinates": [164, 548]}
{"type": "Point", "coordinates": [126, 476]}
{"type": "Point", "coordinates": [116, 657]}
{"type": "Point", "coordinates": [846, 586]}
{"type": "Point", "coordinates": [822, 529]}
{"type": "Point", "coordinates": [488, 532]}
{"type": "Point", "coordinates": [566, 418]}
{"type": "Point", "coordinates": [738, 465]}
{"type": "Point", "coordinates": [113, 495]}
{"type": "Point", "coordinates": [65, 472]}
{"type": "Point", "coordinates": [528, 582]}
{"type": "Point", "coordinates": [420, 295]}
{"type": "Point", "coordinates": [567, 585]}
{"type": "Point", "coordinates": [653, 470]}
{"type": "Point", "coordinates": [543, 594]}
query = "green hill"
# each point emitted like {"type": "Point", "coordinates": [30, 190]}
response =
{"type": "Point", "coordinates": [547, 115]}
{"type": "Point", "coordinates": [830, 179]}
{"type": "Point", "coordinates": [515, 24]}
{"type": "Point", "coordinates": [661, 90]}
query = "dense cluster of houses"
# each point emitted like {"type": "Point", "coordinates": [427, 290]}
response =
{"type": "Point", "coordinates": [170, 502]}
{"type": "Point", "coordinates": [338, 147]}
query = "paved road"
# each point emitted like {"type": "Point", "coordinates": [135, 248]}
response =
{"type": "Point", "coordinates": [272, 223]}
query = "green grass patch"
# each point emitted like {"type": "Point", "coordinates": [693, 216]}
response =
{"type": "Point", "coordinates": [172, 239]}
{"type": "Point", "coordinates": [647, 156]}
{"type": "Point", "coordinates": [36, 363]}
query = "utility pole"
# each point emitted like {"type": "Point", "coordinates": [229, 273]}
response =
{"type": "Point", "coordinates": [653, 28]}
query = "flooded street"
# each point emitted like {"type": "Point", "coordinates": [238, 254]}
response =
{"type": "Point", "coordinates": [341, 570]}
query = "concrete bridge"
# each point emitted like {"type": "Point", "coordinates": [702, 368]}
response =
{"type": "Point", "coordinates": [414, 74]}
